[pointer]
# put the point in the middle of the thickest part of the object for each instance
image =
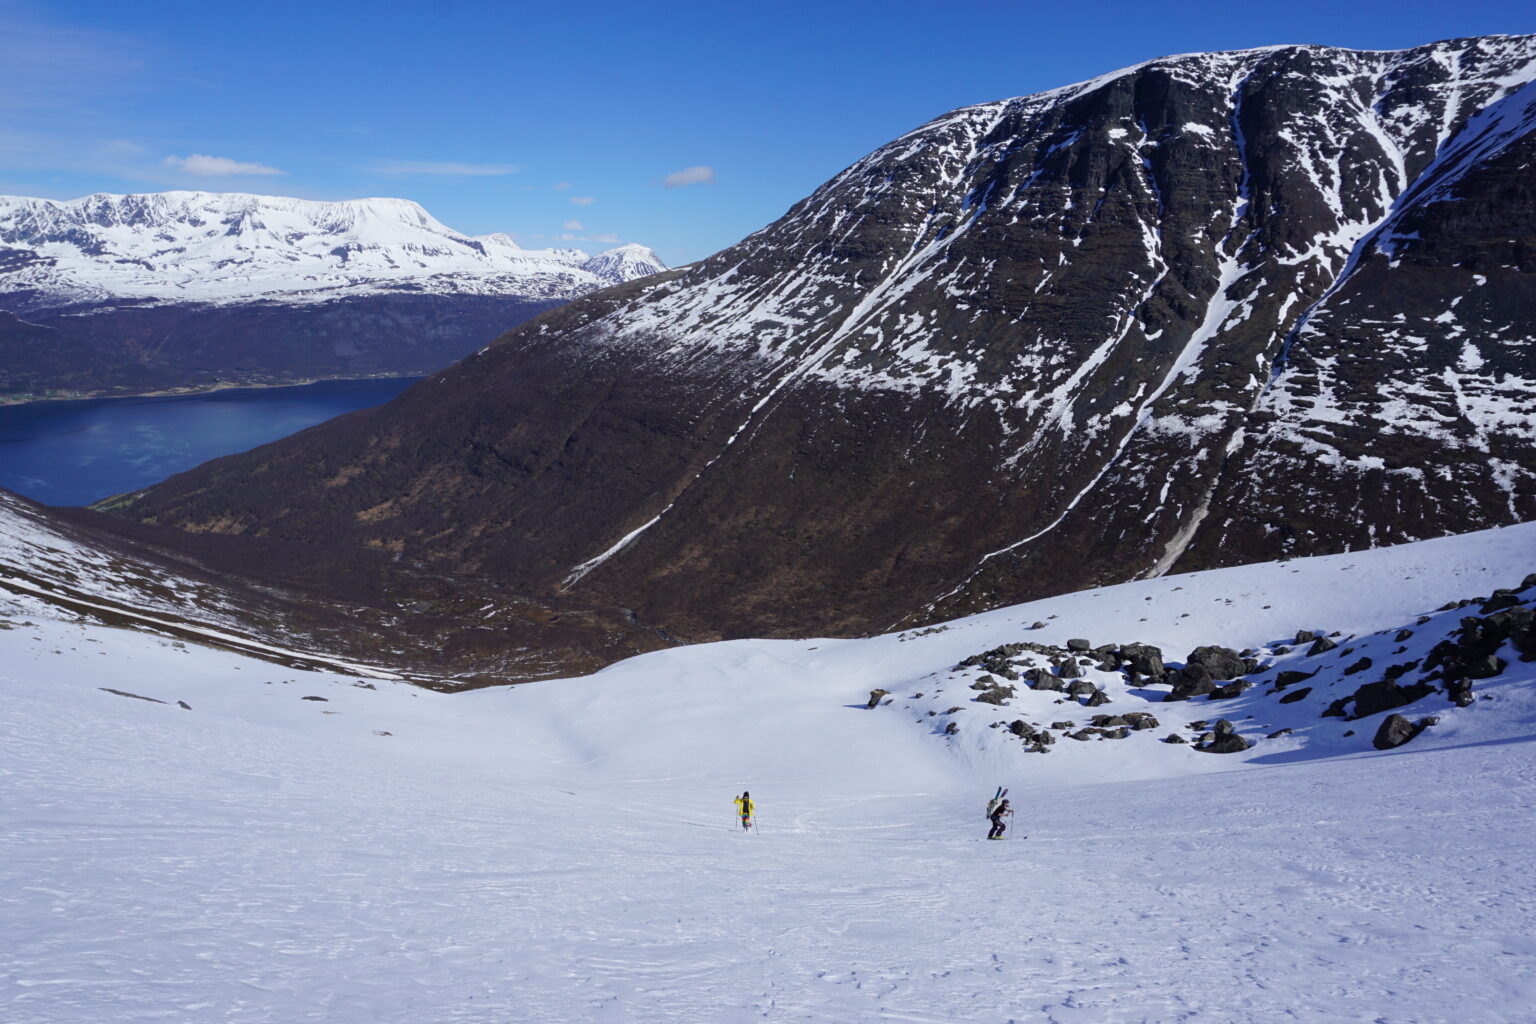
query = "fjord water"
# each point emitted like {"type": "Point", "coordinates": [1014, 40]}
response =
{"type": "Point", "coordinates": [74, 453]}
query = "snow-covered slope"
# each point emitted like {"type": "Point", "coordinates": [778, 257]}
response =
{"type": "Point", "coordinates": [300, 846]}
{"type": "Point", "coordinates": [207, 247]}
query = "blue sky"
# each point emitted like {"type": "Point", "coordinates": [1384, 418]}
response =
{"type": "Point", "coordinates": [682, 125]}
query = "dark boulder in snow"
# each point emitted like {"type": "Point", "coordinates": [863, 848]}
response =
{"type": "Point", "coordinates": [1079, 646]}
{"type": "Point", "coordinates": [1107, 721]}
{"type": "Point", "coordinates": [1290, 676]}
{"type": "Point", "coordinates": [1296, 695]}
{"type": "Point", "coordinates": [1499, 600]}
{"type": "Point", "coordinates": [1190, 681]}
{"type": "Point", "coordinates": [1174, 737]}
{"type": "Point", "coordinates": [874, 697]}
{"type": "Point", "coordinates": [1082, 688]}
{"type": "Point", "coordinates": [1359, 666]}
{"type": "Point", "coordinates": [1070, 669]}
{"type": "Point", "coordinates": [1304, 636]}
{"type": "Point", "coordinates": [1278, 733]}
{"type": "Point", "coordinates": [1374, 698]}
{"type": "Point", "coordinates": [315, 698]}
{"type": "Point", "coordinates": [1322, 645]}
{"type": "Point", "coordinates": [1459, 691]}
{"type": "Point", "coordinates": [1140, 720]}
{"type": "Point", "coordinates": [1096, 699]}
{"type": "Point", "coordinates": [996, 695]}
{"type": "Point", "coordinates": [1143, 660]}
{"type": "Point", "coordinates": [1230, 690]}
{"type": "Point", "coordinates": [1221, 662]}
{"type": "Point", "coordinates": [1224, 739]}
{"type": "Point", "coordinates": [1396, 730]}
{"type": "Point", "coordinates": [1043, 680]}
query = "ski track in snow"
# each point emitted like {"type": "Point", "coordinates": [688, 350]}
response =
{"type": "Point", "coordinates": [564, 851]}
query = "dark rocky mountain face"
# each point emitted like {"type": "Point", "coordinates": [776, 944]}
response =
{"type": "Point", "coordinates": [1208, 310]}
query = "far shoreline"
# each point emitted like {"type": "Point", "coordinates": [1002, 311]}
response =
{"type": "Point", "coordinates": [13, 401]}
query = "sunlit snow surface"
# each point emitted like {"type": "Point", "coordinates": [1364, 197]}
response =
{"type": "Point", "coordinates": [219, 247]}
{"type": "Point", "coordinates": [564, 851]}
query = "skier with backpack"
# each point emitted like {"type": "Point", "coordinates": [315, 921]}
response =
{"type": "Point", "coordinates": [999, 812]}
{"type": "Point", "coordinates": [744, 808]}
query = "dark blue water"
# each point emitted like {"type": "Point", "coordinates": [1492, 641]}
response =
{"type": "Point", "coordinates": [74, 453]}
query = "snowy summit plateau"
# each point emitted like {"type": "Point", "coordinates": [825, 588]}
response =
{"type": "Point", "coordinates": [174, 281]}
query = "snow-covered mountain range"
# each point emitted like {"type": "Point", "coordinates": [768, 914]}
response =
{"type": "Point", "coordinates": [180, 288]}
{"type": "Point", "coordinates": [200, 823]}
{"type": "Point", "coordinates": [1210, 309]}
{"type": "Point", "coordinates": [213, 247]}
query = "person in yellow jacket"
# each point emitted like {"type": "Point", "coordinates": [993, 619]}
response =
{"type": "Point", "coordinates": [744, 807]}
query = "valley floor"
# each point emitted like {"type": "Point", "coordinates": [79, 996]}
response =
{"type": "Point", "coordinates": [565, 852]}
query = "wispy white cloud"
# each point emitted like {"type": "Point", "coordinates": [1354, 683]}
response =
{"type": "Point", "coordinates": [690, 176]}
{"type": "Point", "coordinates": [572, 225]}
{"type": "Point", "coordinates": [448, 167]}
{"type": "Point", "coordinates": [561, 186]}
{"type": "Point", "coordinates": [583, 200]}
{"type": "Point", "coordinates": [608, 238]}
{"type": "Point", "coordinates": [205, 166]}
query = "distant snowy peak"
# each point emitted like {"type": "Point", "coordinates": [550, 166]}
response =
{"type": "Point", "coordinates": [210, 247]}
{"type": "Point", "coordinates": [626, 263]}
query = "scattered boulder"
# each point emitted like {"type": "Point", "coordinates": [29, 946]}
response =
{"type": "Point", "coordinates": [1082, 735]}
{"type": "Point", "coordinates": [1221, 662]}
{"type": "Point", "coordinates": [1190, 681]}
{"type": "Point", "coordinates": [1359, 666]}
{"type": "Point", "coordinates": [184, 705]}
{"type": "Point", "coordinates": [1322, 645]}
{"type": "Point", "coordinates": [1037, 625]}
{"type": "Point", "coordinates": [1082, 688]}
{"type": "Point", "coordinates": [1336, 709]}
{"type": "Point", "coordinates": [1225, 740]}
{"type": "Point", "coordinates": [1398, 671]}
{"type": "Point", "coordinates": [1304, 636]}
{"type": "Point", "coordinates": [1459, 691]}
{"type": "Point", "coordinates": [1097, 699]}
{"type": "Point", "coordinates": [1402, 634]}
{"type": "Point", "coordinates": [996, 695]}
{"type": "Point", "coordinates": [1396, 730]}
{"type": "Point", "coordinates": [1174, 737]}
{"type": "Point", "coordinates": [1230, 690]}
{"type": "Point", "coordinates": [1044, 680]}
{"type": "Point", "coordinates": [322, 699]}
{"type": "Point", "coordinates": [1063, 726]}
{"type": "Point", "coordinates": [1109, 721]}
{"type": "Point", "coordinates": [1499, 600]}
{"type": "Point", "coordinates": [1116, 734]}
{"type": "Point", "coordinates": [1278, 733]}
{"type": "Point", "coordinates": [1070, 669]}
{"type": "Point", "coordinates": [1374, 698]}
{"type": "Point", "coordinates": [1079, 646]}
{"type": "Point", "coordinates": [1143, 660]}
{"type": "Point", "coordinates": [875, 696]}
{"type": "Point", "coordinates": [1140, 720]}
{"type": "Point", "coordinates": [1296, 695]}
{"type": "Point", "coordinates": [952, 728]}
{"type": "Point", "coordinates": [1290, 676]}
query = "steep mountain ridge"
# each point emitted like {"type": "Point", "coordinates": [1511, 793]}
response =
{"type": "Point", "coordinates": [1060, 340]}
{"type": "Point", "coordinates": [194, 285]}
